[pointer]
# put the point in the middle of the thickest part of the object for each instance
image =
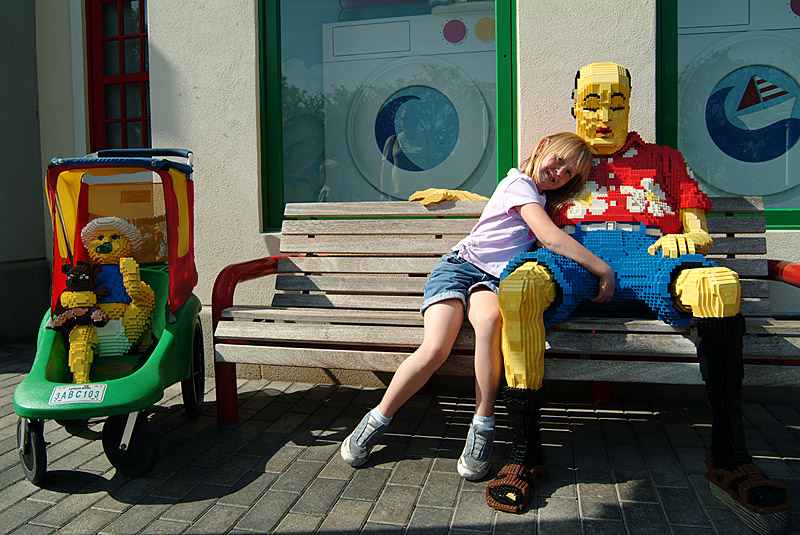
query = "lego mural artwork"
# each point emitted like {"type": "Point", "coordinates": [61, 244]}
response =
{"type": "Point", "coordinates": [642, 212]}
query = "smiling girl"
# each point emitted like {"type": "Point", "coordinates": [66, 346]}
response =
{"type": "Point", "coordinates": [466, 282]}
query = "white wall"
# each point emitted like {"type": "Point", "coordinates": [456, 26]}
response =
{"type": "Point", "coordinates": [558, 37]}
{"type": "Point", "coordinates": [204, 97]}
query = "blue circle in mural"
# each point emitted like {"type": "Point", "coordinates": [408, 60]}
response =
{"type": "Point", "coordinates": [753, 113]}
{"type": "Point", "coordinates": [416, 129]}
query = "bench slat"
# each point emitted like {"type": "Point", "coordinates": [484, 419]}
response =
{"type": "Point", "coordinates": [350, 359]}
{"type": "Point", "coordinates": [384, 209]}
{"type": "Point", "coordinates": [736, 225]}
{"type": "Point", "coordinates": [325, 315]}
{"type": "Point", "coordinates": [375, 245]}
{"type": "Point", "coordinates": [745, 267]}
{"type": "Point", "coordinates": [739, 245]}
{"type": "Point", "coordinates": [358, 264]}
{"type": "Point", "coordinates": [375, 302]}
{"type": "Point", "coordinates": [391, 285]}
{"type": "Point", "coordinates": [390, 336]}
{"type": "Point", "coordinates": [741, 205]}
{"type": "Point", "coordinates": [366, 227]}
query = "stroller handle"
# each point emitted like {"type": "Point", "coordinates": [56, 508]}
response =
{"type": "Point", "coordinates": [145, 153]}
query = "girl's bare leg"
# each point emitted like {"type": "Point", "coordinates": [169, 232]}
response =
{"type": "Point", "coordinates": [442, 323]}
{"type": "Point", "coordinates": [484, 315]}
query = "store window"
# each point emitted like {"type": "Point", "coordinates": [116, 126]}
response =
{"type": "Point", "coordinates": [378, 99]}
{"type": "Point", "coordinates": [119, 80]}
{"type": "Point", "coordinates": [738, 106]}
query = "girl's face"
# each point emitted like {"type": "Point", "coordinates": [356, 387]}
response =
{"type": "Point", "coordinates": [554, 172]}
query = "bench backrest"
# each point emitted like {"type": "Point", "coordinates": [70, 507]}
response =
{"type": "Point", "coordinates": [377, 255]}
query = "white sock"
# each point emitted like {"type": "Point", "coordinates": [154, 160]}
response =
{"type": "Point", "coordinates": [383, 420]}
{"type": "Point", "coordinates": [487, 422]}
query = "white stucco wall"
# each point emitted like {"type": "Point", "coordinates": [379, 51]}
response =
{"type": "Point", "coordinates": [558, 37]}
{"type": "Point", "coordinates": [204, 97]}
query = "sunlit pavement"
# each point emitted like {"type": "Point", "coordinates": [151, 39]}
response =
{"type": "Point", "coordinates": [632, 467]}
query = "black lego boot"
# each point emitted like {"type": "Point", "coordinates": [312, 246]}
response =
{"type": "Point", "coordinates": [513, 488]}
{"type": "Point", "coordinates": [760, 502]}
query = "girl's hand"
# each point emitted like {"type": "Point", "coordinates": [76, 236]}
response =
{"type": "Point", "coordinates": [607, 285]}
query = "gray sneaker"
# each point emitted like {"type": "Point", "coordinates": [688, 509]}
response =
{"type": "Point", "coordinates": [356, 447]}
{"type": "Point", "coordinates": [474, 461]}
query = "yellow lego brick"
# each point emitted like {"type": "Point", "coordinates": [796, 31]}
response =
{"type": "Point", "coordinates": [82, 343]}
{"type": "Point", "coordinates": [708, 292]}
{"type": "Point", "coordinates": [71, 299]}
{"type": "Point", "coordinates": [524, 296]}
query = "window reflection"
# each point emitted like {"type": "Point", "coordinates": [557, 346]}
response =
{"type": "Point", "coordinates": [382, 98]}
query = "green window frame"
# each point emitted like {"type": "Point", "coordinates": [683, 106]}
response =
{"type": "Point", "coordinates": [270, 102]}
{"type": "Point", "coordinates": [667, 100]}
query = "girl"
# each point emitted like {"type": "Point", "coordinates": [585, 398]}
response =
{"type": "Point", "coordinates": [465, 281]}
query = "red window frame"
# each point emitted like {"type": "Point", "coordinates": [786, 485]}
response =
{"type": "Point", "coordinates": [129, 118]}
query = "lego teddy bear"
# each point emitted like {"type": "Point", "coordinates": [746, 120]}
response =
{"type": "Point", "coordinates": [79, 316]}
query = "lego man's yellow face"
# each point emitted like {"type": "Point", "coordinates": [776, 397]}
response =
{"type": "Point", "coordinates": [602, 106]}
{"type": "Point", "coordinates": [108, 247]}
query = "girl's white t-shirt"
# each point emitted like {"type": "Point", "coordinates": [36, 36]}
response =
{"type": "Point", "coordinates": [501, 233]}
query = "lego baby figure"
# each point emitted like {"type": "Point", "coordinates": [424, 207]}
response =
{"type": "Point", "coordinates": [113, 242]}
{"type": "Point", "coordinates": [79, 316]}
{"type": "Point", "coordinates": [642, 212]}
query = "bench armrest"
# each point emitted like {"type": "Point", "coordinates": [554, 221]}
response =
{"type": "Point", "coordinates": [781, 270]}
{"type": "Point", "coordinates": [230, 276]}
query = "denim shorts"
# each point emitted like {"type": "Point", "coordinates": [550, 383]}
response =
{"type": "Point", "coordinates": [455, 278]}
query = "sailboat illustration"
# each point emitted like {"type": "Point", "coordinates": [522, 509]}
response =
{"type": "Point", "coordinates": [756, 107]}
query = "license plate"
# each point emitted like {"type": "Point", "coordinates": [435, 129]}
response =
{"type": "Point", "coordinates": [88, 393]}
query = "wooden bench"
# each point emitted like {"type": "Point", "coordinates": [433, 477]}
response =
{"type": "Point", "coordinates": [350, 299]}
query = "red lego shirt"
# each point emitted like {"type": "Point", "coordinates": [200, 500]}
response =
{"type": "Point", "coordinates": [641, 182]}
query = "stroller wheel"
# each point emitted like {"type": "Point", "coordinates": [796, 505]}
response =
{"type": "Point", "coordinates": [32, 449]}
{"type": "Point", "coordinates": [193, 388]}
{"type": "Point", "coordinates": [141, 451]}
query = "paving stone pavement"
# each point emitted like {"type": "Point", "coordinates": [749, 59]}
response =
{"type": "Point", "coordinates": [632, 467]}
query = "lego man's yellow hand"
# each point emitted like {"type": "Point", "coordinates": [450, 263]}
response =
{"type": "Point", "coordinates": [434, 195]}
{"type": "Point", "coordinates": [674, 245]}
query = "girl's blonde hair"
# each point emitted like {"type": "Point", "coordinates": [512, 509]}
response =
{"type": "Point", "coordinates": [568, 146]}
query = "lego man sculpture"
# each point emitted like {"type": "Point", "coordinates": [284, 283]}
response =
{"type": "Point", "coordinates": [642, 212]}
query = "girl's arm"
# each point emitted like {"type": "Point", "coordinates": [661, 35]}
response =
{"type": "Point", "coordinates": [563, 244]}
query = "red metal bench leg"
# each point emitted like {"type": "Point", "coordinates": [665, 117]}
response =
{"type": "Point", "coordinates": [227, 399]}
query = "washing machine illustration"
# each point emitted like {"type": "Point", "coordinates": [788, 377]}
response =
{"type": "Point", "coordinates": [410, 102]}
{"type": "Point", "coordinates": [739, 111]}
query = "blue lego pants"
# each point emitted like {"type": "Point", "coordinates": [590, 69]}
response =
{"type": "Point", "coordinates": [641, 278]}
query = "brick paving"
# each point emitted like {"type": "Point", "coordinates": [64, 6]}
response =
{"type": "Point", "coordinates": [633, 467]}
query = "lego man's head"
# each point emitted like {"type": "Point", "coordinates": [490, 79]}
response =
{"type": "Point", "coordinates": [602, 105]}
{"type": "Point", "coordinates": [107, 239]}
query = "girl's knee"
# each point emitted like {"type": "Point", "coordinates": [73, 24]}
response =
{"type": "Point", "coordinates": [486, 321]}
{"type": "Point", "coordinates": [432, 355]}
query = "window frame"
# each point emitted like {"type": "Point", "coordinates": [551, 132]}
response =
{"type": "Point", "coordinates": [98, 80]}
{"type": "Point", "coordinates": [269, 70]}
